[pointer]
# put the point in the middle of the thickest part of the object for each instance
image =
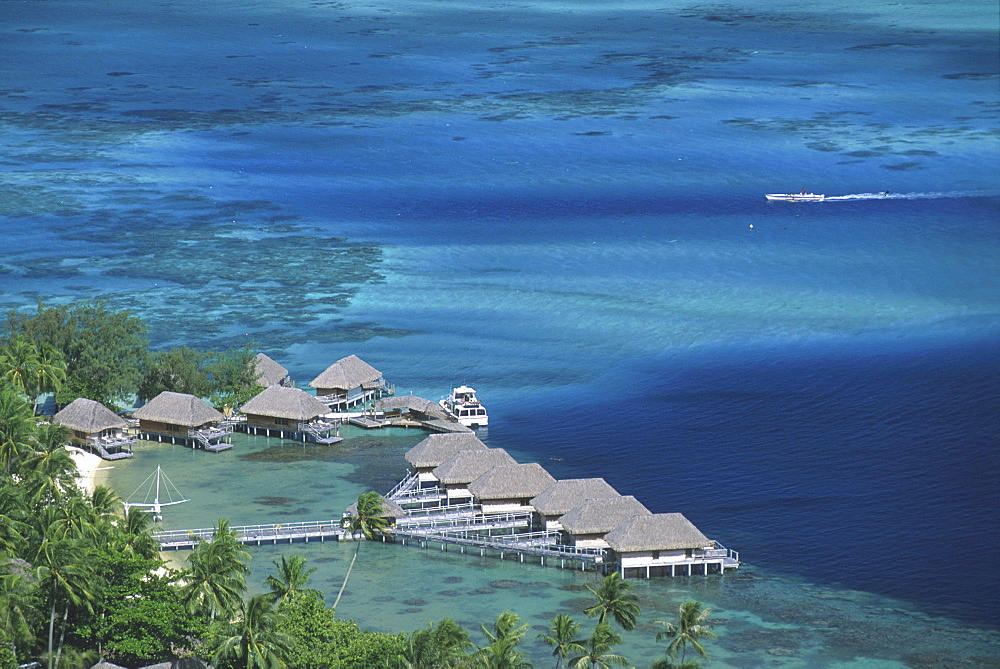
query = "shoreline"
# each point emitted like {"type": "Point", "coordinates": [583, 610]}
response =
{"type": "Point", "coordinates": [89, 470]}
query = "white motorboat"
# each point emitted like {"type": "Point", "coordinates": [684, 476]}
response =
{"type": "Point", "coordinates": [796, 197]}
{"type": "Point", "coordinates": [463, 405]}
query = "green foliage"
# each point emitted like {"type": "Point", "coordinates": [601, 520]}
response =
{"type": "Point", "coordinates": [253, 638]}
{"type": "Point", "coordinates": [501, 652]}
{"type": "Point", "coordinates": [615, 599]}
{"type": "Point", "coordinates": [323, 642]}
{"type": "Point", "coordinates": [30, 368]}
{"type": "Point", "coordinates": [233, 375]}
{"type": "Point", "coordinates": [179, 370]}
{"type": "Point", "coordinates": [290, 581]}
{"type": "Point", "coordinates": [216, 577]}
{"type": "Point", "coordinates": [104, 351]}
{"type": "Point", "coordinates": [439, 646]}
{"type": "Point", "coordinates": [597, 650]}
{"type": "Point", "coordinates": [691, 627]}
{"type": "Point", "coordinates": [563, 638]}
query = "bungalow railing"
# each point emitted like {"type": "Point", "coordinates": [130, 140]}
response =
{"type": "Point", "coordinates": [467, 509]}
{"type": "Point", "coordinates": [404, 487]}
{"type": "Point", "coordinates": [266, 532]}
{"type": "Point", "coordinates": [317, 427]}
{"type": "Point", "coordinates": [210, 432]}
{"type": "Point", "coordinates": [468, 522]}
{"type": "Point", "coordinates": [112, 441]}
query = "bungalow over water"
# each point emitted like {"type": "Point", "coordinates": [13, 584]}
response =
{"type": "Point", "coordinates": [289, 413]}
{"type": "Point", "coordinates": [183, 418]}
{"type": "Point", "coordinates": [97, 428]}
{"type": "Point", "coordinates": [659, 544]}
{"type": "Point", "coordinates": [561, 497]}
{"type": "Point", "coordinates": [586, 524]}
{"type": "Point", "coordinates": [434, 450]}
{"type": "Point", "coordinates": [270, 373]}
{"type": "Point", "coordinates": [349, 382]}
{"type": "Point", "coordinates": [456, 473]}
{"type": "Point", "coordinates": [510, 488]}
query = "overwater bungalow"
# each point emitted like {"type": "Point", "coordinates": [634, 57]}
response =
{"type": "Point", "coordinates": [456, 473]}
{"type": "Point", "coordinates": [270, 373]}
{"type": "Point", "coordinates": [586, 524]}
{"type": "Point", "coordinates": [434, 450]}
{"type": "Point", "coordinates": [562, 496]}
{"type": "Point", "coordinates": [349, 382]}
{"type": "Point", "coordinates": [97, 428]}
{"type": "Point", "coordinates": [183, 418]}
{"type": "Point", "coordinates": [289, 413]}
{"type": "Point", "coordinates": [662, 544]}
{"type": "Point", "coordinates": [510, 488]}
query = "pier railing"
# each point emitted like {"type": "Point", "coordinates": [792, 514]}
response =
{"type": "Point", "coordinates": [253, 534]}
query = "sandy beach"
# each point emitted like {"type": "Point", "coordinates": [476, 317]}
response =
{"type": "Point", "coordinates": [89, 468]}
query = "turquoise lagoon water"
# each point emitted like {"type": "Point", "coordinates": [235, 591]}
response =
{"type": "Point", "coordinates": [562, 205]}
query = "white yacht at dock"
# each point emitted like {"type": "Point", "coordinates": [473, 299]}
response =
{"type": "Point", "coordinates": [463, 405]}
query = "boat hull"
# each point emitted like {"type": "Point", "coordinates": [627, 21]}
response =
{"type": "Point", "coordinates": [795, 197]}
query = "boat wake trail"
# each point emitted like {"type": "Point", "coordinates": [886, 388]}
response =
{"type": "Point", "coordinates": [934, 195]}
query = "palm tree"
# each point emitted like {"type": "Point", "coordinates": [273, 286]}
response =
{"type": "Point", "coordinates": [17, 429]}
{"type": "Point", "coordinates": [596, 650]}
{"type": "Point", "coordinates": [216, 578]}
{"type": "Point", "coordinates": [371, 521]}
{"type": "Point", "coordinates": [288, 584]}
{"type": "Point", "coordinates": [436, 647]}
{"type": "Point", "coordinates": [19, 364]}
{"type": "Point", "coordinates": [66, 575]}
{"type": "Point", "coordinates": [615, 598]}
{"type": "Point", "coordinates": [18, 603]}
{"type": "Point", "coordinates": [690, 628]}
{"type": "Point", "coordinates": [563, 638]}
{"type": "Point", "coordinates": [254, 639]}
{"type": "Point", "coordinates": [134, 527]}
{"type": "Point", "coordinates": [501, 651]}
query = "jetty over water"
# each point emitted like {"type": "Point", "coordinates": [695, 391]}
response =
{"type": "Point", "coordinates": [255, 535]}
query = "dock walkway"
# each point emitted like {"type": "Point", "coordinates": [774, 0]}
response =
{"type": "Point", "coordinates": [255, 535]}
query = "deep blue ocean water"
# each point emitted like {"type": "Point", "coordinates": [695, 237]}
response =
{"type": "Point", "coordinates": [562, 205]}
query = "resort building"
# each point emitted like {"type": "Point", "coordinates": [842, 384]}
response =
{"type": "Point", "coordinates": [97, 428]}
{"type": "Point", "coordinates": [660, 544]}
{"type": "Point", "coordinates": [183, 418]}
{"type": "Point", "coordinates": [270, 373]}
{"type": "Point", "coordinates": [562, 496]}
{"type": "Point", "coordinates": [586, 524]}
{"type": "Point", "coordinates": [456, 473]}
{"type": "Point", "coordinates": [434, 450]}
{"type": "Point", "coordinates": [510, 488]}
{"type": "Point", "coordinates": [289, 413]}
{"type": "Point", "coordinates": [349, 382]}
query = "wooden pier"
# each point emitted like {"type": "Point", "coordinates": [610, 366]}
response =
{"type": "Point", "coordinates": [255, 535]}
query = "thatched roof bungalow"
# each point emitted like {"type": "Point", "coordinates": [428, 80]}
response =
{"type": "Point", "coordinates": [435, 449]}
{"type": "Point", "coordinates": [510, 488]}
{"type": "Point", "coordinates": [96, 427]}
{"type": "Point", "coordinates": [291, 412]}
{"type": "Point", "coordinates": [269, 372]}
{"type": "Point", "coordinates": [182, 416]}
{"type": "Point", "coordinates": [658, 543]}
{"type": "Point", "coordinates": [586, 524]}
{"type": "Point", "coordinates": [457, 472]}
{"type": "Point", "coordinates": [562, 496]}
{"type": "Point", "coordinates": [349, 382]}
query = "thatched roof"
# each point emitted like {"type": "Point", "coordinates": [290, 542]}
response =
{"type": "Point", "coordinates": [599, 516]}
{"type": "Point", "coordinates": [282, 402]}
{"type": "Point", "coordinates": [512, 482]}
{"type": "Point", "coordinates": [437, 448]}
{"type": "Point", "coordinates": [89, 416]}
{"type": "Point", "coordinates": [661, 531]}
{"type": "Point", "coordinates": [179, 409]}
{"type": "Point", "coordinates": [412, 403]}
{"type": "Point", "coordinates": [392, 510]}
{"type": "Point", "coordinates": [269, 372]}
{"type": "Point", "coordinates": [562, 496]}
{"type": "Point", "coordinates": [347, 373]}
{"type": "Point", "coordinates": [467, 466]}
